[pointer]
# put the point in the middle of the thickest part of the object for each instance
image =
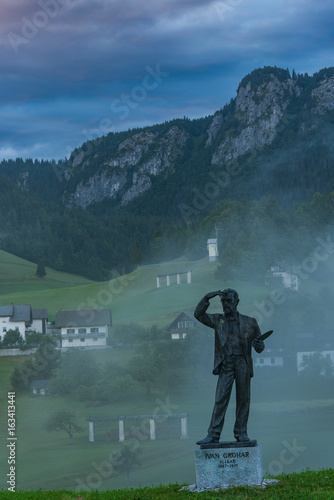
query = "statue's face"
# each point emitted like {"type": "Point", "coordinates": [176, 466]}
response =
{"type": "Point", "coordinates": [229, 303]}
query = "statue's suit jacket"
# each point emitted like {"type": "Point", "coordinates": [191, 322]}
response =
{"type": "Point", "coordinates": [248, 331]}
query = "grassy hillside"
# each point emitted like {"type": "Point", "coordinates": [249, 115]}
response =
{"type": "Point", "coordinates": [19, 275]}
{"type": "Point", "coordinates": [46, 460]}
{"type": "Point", "coordinates": [133, 297]}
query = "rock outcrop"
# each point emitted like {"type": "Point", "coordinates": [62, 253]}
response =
{"type": "Point", "coordinates": [250, 122]}
{"type": "Point", "coordinates": [112, 178]}
{"type": "Point", "coordinates": [324, 96]}
{"type": "Point", "coordinates": [259, 111]}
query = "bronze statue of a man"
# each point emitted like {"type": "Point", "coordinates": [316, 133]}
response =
{"type": "Point", "coordinates": [235, 335]}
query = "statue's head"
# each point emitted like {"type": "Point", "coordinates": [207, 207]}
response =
{"type": "Point", "coordinates": [229, 299]}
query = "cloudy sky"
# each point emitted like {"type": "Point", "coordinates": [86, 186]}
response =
{"type": "Point", "coordinates": [71, 70]}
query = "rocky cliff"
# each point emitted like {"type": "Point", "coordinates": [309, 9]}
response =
{"type": "Point", "coordinates": [260, 112]}
{"type": "Point", "coordinates": [128, 172]}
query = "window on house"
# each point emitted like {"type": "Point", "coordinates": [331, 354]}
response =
{"type": "Point", "coordinates": [180, 324]}
{"type": "Point", "coordinates": [189, 324]}
{"type": "Point", "coordinates": [70, 330]}
{"type": "Point", "coordinates": [95, 340]}
{"type": "Point", "coordinates": [94, 330]}
{"type": "Point", "coordinates": [17, 329]}
{"type": "Point", "coordinates": [4, 328]}
{"type": "Point", "coordinates": [82, 330]}
{"type": "Point", "coordinates": [82, 340]}
{"type": "Point", "coordinates": [70, 340]}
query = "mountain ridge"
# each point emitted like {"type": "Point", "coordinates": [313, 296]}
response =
{"type": "Point", "coordinates": [254, 119]}
{"type": "Point", "coordinates": [119, 199]}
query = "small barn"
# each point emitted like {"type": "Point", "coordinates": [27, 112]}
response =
{"type": "Point", "coordinates": [39, 387]}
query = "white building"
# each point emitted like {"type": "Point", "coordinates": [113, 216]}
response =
{"type": "Point", "coordinates": [212, 245]}
{"type": "Point", "coordinates": [272, 359]}
{"type": "Point", "coordinates": [84, 328]}
{"type": "Point", "coordinates": [287, 277]}
{"type": "Point", "coordinates": [39, 320]}
{"type": "Point", "coordinates": [328, 354]}
{"type": "Point", "coordinates": [23, 319]}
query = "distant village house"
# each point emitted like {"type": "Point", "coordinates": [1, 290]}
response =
{"type": "Point", "coordinates": [182, 324]}
{"type": "Point", "coordinates": [39, 387]}
{"type": "Point", "coordinates": [23, 319]}
{"type": "Point", "coordinates": [271, 358]}
{"type": "Point", "coordinates": [326, 355]}
{"type": "Point", "coordinates": [284, 275]}
{"type": "Point", "coordinates": [84, 328]}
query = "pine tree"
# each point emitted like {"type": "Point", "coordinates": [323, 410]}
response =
{"type": "Point", "coordinates": [40, 271]}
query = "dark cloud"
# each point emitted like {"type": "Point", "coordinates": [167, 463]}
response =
{"type": "Point", "coordinates": [64, 62]}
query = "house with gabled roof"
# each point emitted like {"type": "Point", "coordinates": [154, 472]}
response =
{"type": "Point", "coordinates": [84, 327]}
{"type": "Point", "coordinates": [15, 317]}
{"type": "Point", "coordinates": [39, 320]}
{"type": "Point", "coordinates": [182, 324]}
{"type": "Point", "coordinates": [22, 318]}
{"type": "Point", "coordinates": [39, 387]}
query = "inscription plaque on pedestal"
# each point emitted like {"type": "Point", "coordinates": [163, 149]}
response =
{"type": "Point", "coordinates": [224, 467]}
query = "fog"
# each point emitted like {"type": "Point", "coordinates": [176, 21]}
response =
{"type": "Point", "coordinates": [130, 414]}
{"type": "Point", "coordinates": [147, 375]}
{"type": "Point", "coordinates": [138, 407]}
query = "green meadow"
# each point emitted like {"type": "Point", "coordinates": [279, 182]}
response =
{"type": "Point", "coordinates": [19, 276]}
{"type": "Point", "coordinates": [294, 434]}
{"type": "Point", "coordinates": [135, 297]}
{"type": "Point", "coordinates": [293, 424]}
{"type": "Point", "coordinates": [307, 485]}
{"type": "Point", "coordinates": [132, 298]}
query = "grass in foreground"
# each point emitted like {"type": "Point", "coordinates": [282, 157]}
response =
{"type": "Point", "coordinates": [304, 485]}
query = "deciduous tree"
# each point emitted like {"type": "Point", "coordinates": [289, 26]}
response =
{"type": "Point", "coordinates": [63, 420]}
{"type": "Point", "coordinates": [128, 459]}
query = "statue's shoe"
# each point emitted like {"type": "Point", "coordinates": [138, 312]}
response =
{"type": "Point", "coordinates": [208, 440]}
{"type": "Point", "coordinates": [242, 438]}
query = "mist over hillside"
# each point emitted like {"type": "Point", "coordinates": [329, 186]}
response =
{"type": "Point", "coordinates": [155, 193]}
{"type": "Point", "coordinates": [258, 176]}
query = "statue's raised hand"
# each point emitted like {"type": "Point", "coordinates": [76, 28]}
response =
{"type": "Point", "coordinates": [210, 295]}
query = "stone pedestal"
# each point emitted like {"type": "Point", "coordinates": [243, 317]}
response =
{"type": "Point", "coordinates": [228, 464]}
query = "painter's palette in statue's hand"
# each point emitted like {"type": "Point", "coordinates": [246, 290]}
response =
{"type": "Point", "coordinates": [266, 335]}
